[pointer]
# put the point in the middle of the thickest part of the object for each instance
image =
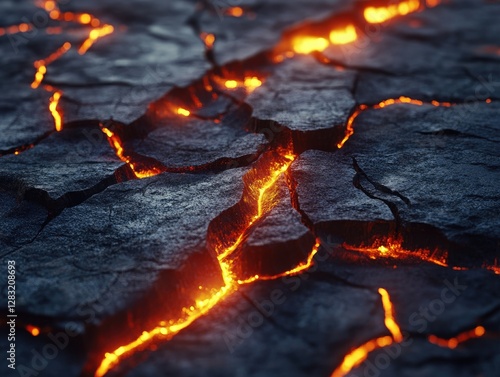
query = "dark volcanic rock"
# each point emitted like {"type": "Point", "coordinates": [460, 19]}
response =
{"type": "Point", "coordinates": [101, 257]}
{"type": "Point", "coordinates": [131, 232]}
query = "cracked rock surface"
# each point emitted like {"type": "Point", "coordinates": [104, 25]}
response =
{"type": "Point", "coordinates": [102, 256]}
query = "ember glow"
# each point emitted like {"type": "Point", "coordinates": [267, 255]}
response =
{"type": "Point", "coordinates": [358, 355]}
{"type": "Point", "coordinates": [263, 202]}
{"type": "Point", "coordinates": [388, 247]}
{"type": "Point", "coordinates": [14, 29]}
{"type": "Point", "coordinates": [452, 343]}
{"type": "Point", "coordinates": [139, 170]}
{"type": "Point", "coordinates": [33, 330]}
{"type": "Point", "coordinates": [183, 112]}
{"type": "Point", "coordinates": [41, 65]}
{"type": "Point", "coordinates": [54, 102]}
{"type": "Point", "coordinates": [385, 103]}
{"type": "Point", "coordinates": [377, 15]}
{"type": "Point", "coordinates": [235, 11]}
{"type": "Point", "coordinates": [250, 83]}
{"type": "Point", "coordinates": [390, 321]}
{"type": "Point", "coordinates": [344, 35]}
{"type": "Point", "coordinates": [306, 45]}
{"type": "Point", "coordinates": [208, 39]}
{"type": "Point", "coordinates": [94, 35]}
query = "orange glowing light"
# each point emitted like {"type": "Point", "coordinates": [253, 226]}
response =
{"type": "Point", "coordinates": [41, 65]}
{"type": "Point", "coordinates": [355, 357]}
{"type": "Point", "coordinates": [183, 112]}
{"type": "Point", "coordinates": [231, 84]}
{"type": "Point", "coordinates": [139, 170]}
{"type": "Point", "coordinates": [259, 190]}
{"type": "Point", "coordinates": [252, 83]}
{"type": "Point", "coordinates": [388, 247]}
{"type": "Point", "coordinates": [360, 354]}
{"type": "Point", "coordinates": [343, 35]}
{"type": "Point", "coordinates": [433, 3]}
{"type": "Point", "coordinates": [208, 39]}
{"type": "Point", "coordinates": [201, 306]}
{"type": "Point", "coordinates": [85, 18]}
{"type": "Point", "coordinates": [294, 271]}
{"type": "Point", "coordinates": [452, 343]}
{"type": "Point", "coordinates": [377, 15]}
{"type": "Point", "coordinates": [306, 45]}
{"type": "Point", "coordinates": [35, 331]}
{"type": "Point", "coordinates": [385, 103]}
{"type": "Point", "coordinates": [54, 101]}
{"type": "Point", "coordinates": [49, 5]}
{"type": "Point", "coordinates": [111, 359]}
{"type": "Point", "coordinates": [235, 11]}
{"type": "Point", "coordinates": [390, 321]}
{"type": "Point", "coordinates": [14, 29]}
{"type": "Point", "coordinates": [94, 35]}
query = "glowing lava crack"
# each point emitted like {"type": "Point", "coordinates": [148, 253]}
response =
{"type": "Point", "coordinates": [359, 354]}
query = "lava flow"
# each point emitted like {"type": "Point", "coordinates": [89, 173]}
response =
{"type": "Point", "coordinates": [452, 343]}
{"type": "Point", "coordinates": [359, 354]}
{"type": "Point", "coordinates": [388, 247]}
{"type": "Point", "coordinates": [355, 357]}
{"type": "Point", "coordinates": [139, 169]}
{"type": "Point", "coordinates": [385, 103]}
{"type": "Point", "coordinates": [258, 199]}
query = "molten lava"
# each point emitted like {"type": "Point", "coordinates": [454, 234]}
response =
{"type": "Point", "coordinates": [208, 39]}
{"type": "Point", "coordinates": [377, 15]}
{"type": "Point", "coordinates": [140, 170]}
{"type": "Point", "coordinates": [41, 65]}
{"type": "Point", "coordinates": [358, 355]}
{"type": "Point", "coordinates": [183, 112]}
{"type": "Point", "coordinates": [33, 330]}
{"type": "Point", "coordinates": [235, 11]}
{"type": "Point", "coordinates": [344, 35]}
{"type": "Point", "coordinates": [452, 343]}
{"type": "Point", "coordinates": [14, 29]}
{"type": "Point", "coordinates": [388, 247]}
{"type": "Point", "coordinates": [54, 101]}
{"type": "Point", "coordinates": [262, 197]}
{"type": "Point", "coordinates": [355, 357]}
{"type": "Point", "coordinates": [306, 45]}
{"type": "Point", "coordinates": [385, 103]}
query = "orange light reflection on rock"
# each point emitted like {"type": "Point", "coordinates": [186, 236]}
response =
{"type": "Point", "coordinates": [306, 45]}
{"type": "Point", "coordinates": [183, 112]}
{"type": "Point", "coordinates": [203, 305]}
{"type": "Point", "coordinates": [294, 271]}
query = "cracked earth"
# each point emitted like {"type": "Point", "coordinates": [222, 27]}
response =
{"type": "Point", "coordinates": [251, 188]}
